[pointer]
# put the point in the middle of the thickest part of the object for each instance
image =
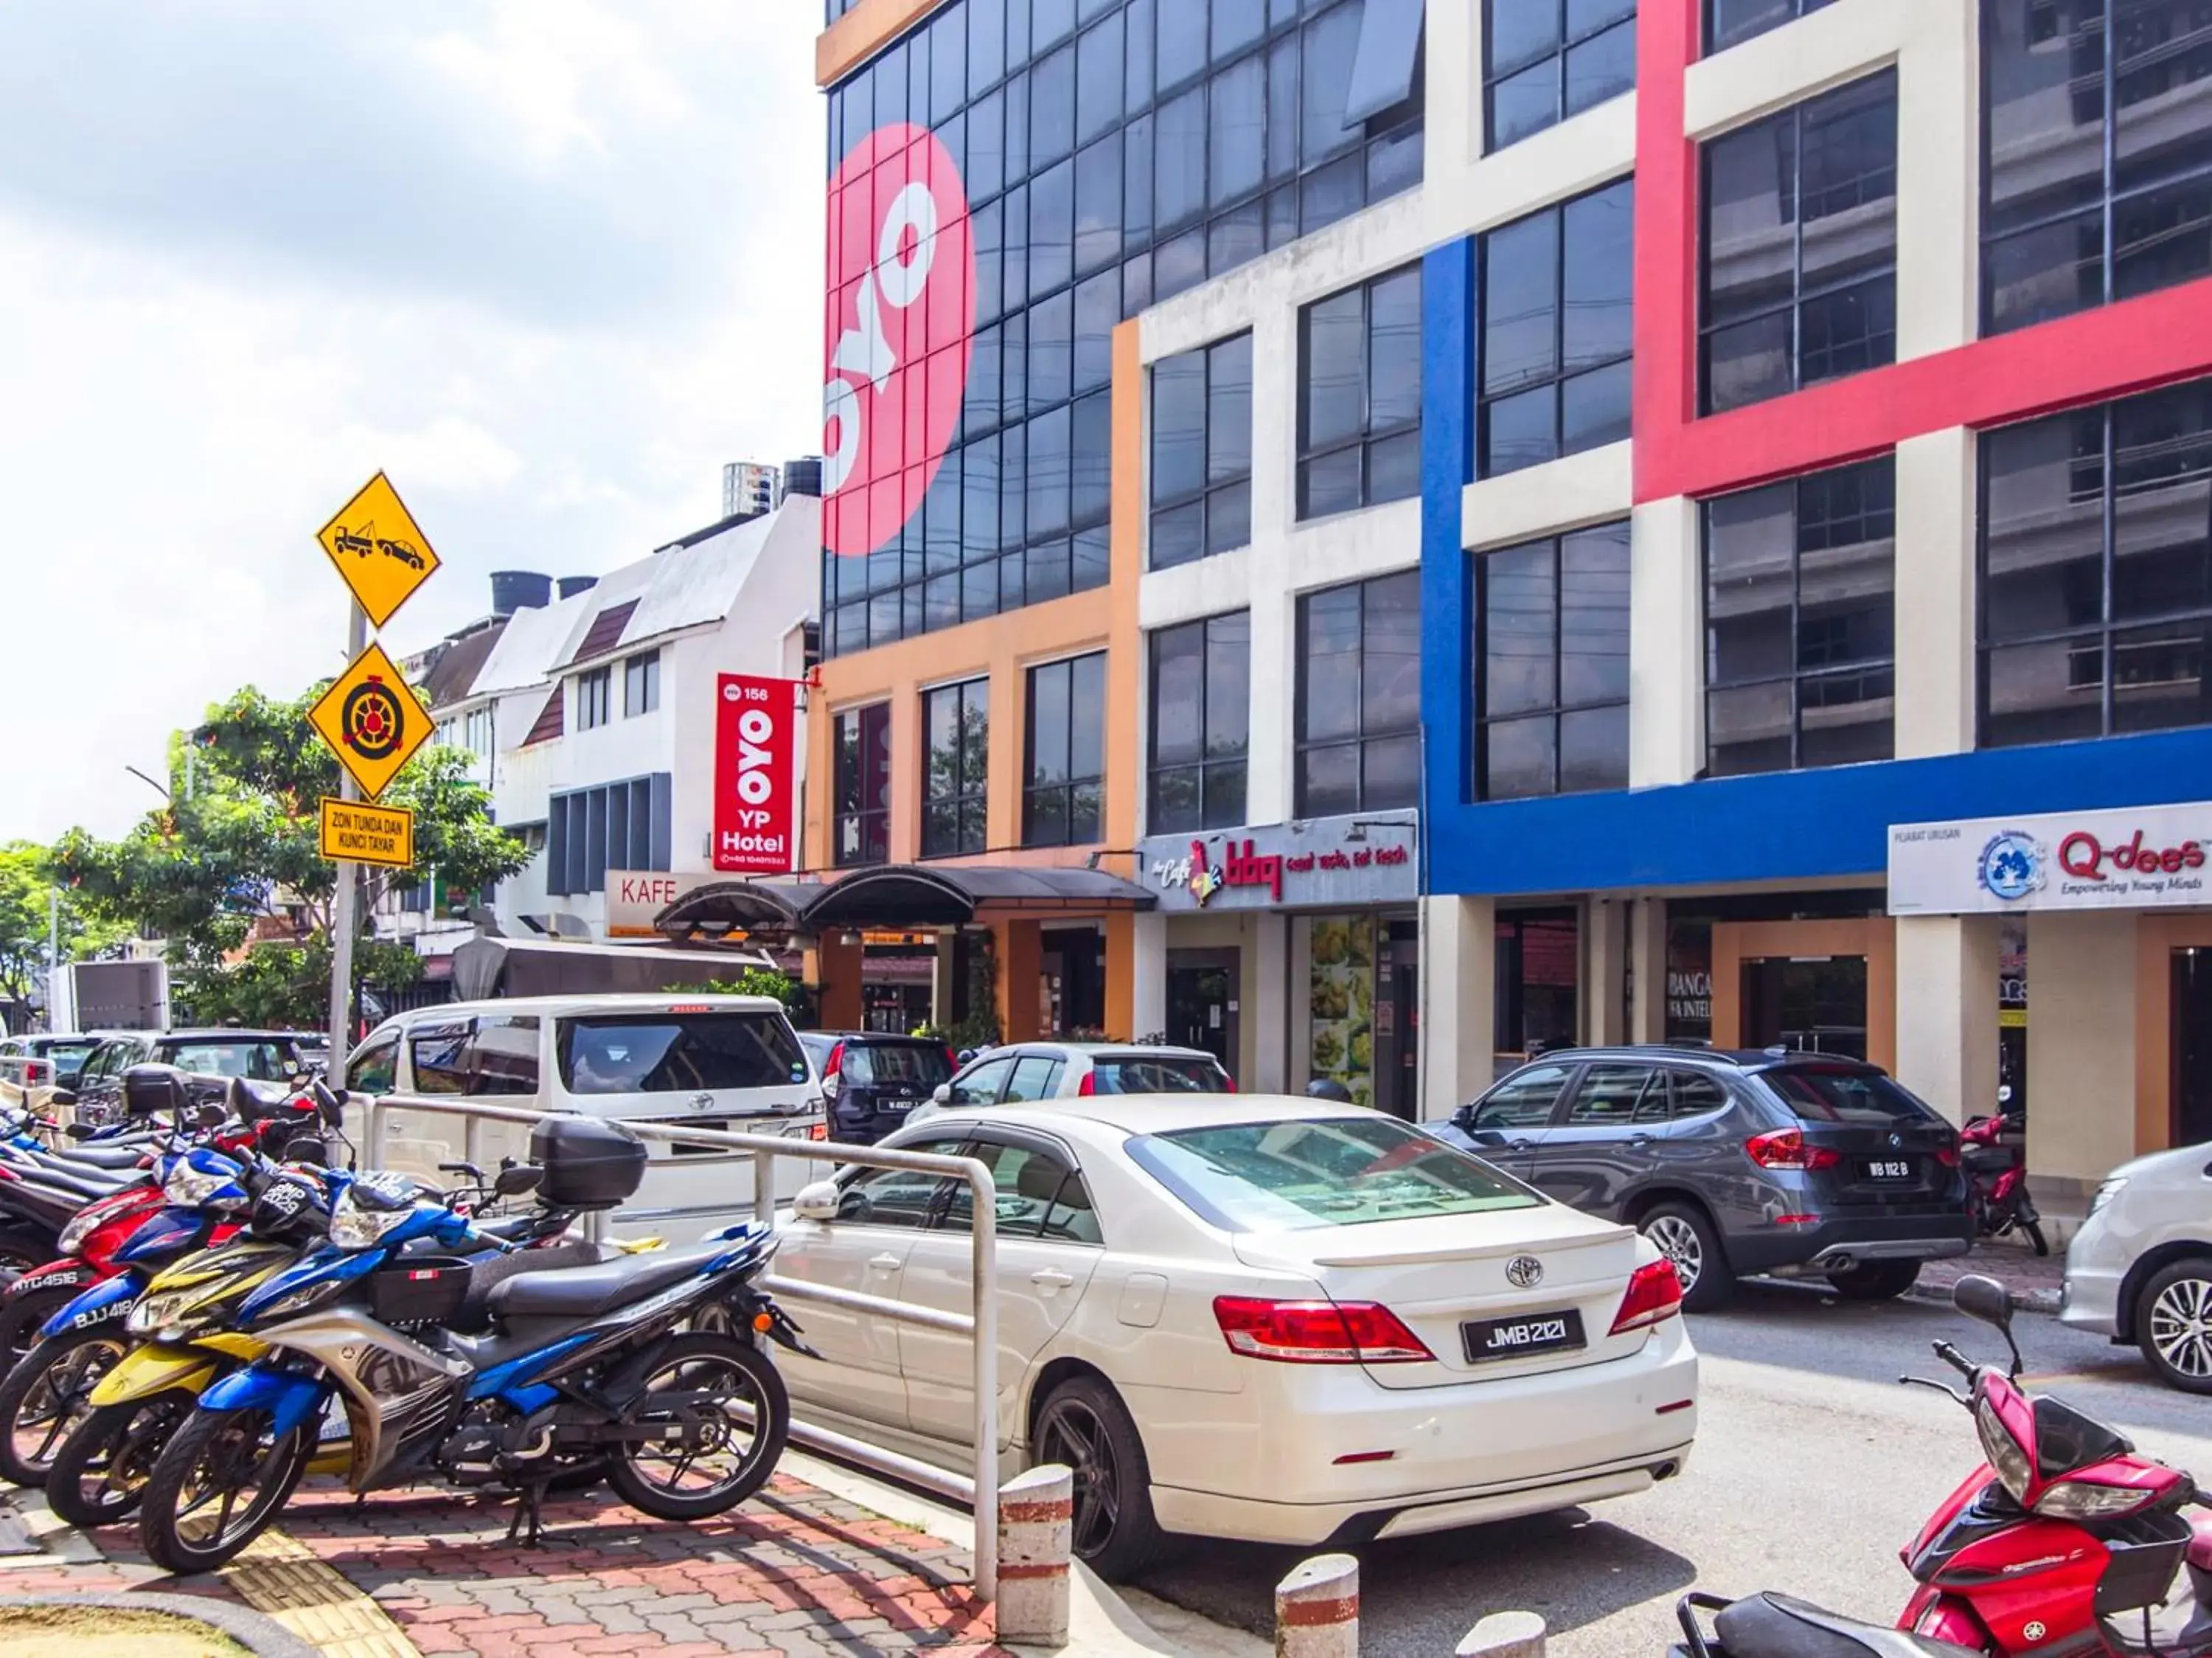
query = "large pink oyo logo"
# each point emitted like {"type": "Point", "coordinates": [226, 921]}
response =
{"type": "Point", "coordinates": [901, 312]}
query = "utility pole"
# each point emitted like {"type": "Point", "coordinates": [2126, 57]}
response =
{"type": "Point", "coordinates": [54, 954]}
{"type": "Point", "coordinates": [346, 903]}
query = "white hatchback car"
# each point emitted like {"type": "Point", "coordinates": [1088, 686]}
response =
{"type": "Point", "coordinates": [1250, 1317]}
{"type": "Point", "coordinates": [2140, 1269]}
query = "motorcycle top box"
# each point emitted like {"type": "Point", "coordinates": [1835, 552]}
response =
{"type": "Point", "coordinates": [590, 1162]}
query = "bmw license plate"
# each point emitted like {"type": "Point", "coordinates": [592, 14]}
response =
{"type": "Point", "coordinates": [1491, 1339]}
{"type": "Point", "coordinates": [1887, 1168]}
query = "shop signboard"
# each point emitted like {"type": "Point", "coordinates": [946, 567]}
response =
{"type": "Point", "coordinates": [1320, 863]}
{"type": "Point", "coordinates": [634, 897]}
{"type": "Point", "coordinates": [2132, 858]}
{"type": "Point", "coordinates": [756, 787]}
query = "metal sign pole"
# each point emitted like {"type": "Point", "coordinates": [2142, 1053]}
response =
{"type": "Point", "coordinates": [346, 905]}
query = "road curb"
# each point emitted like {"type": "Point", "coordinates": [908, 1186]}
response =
{"type": "Point", "coordinates": [264, 1637]}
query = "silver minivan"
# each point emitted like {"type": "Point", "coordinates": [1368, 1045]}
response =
{"type": "Point", "coordinates": [715, 1062]}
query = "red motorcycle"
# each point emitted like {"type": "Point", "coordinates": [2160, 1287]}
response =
{"type": "Point", "coordinates": [1996, 1176]}
{"type": "Point", "coordinates": [2065, 1544]}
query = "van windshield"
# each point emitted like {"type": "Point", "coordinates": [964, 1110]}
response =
{"type": "Point", "coordinates": [679, 1053]}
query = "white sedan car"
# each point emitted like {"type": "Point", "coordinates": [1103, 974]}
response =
{"type": "Point", "coordinates": [1250, 1317]}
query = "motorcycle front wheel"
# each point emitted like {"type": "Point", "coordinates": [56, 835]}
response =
{"type": "Point", "coordinates": [734, 1395]}
{"type": "Point", "coordinates": [100, 1474]}
{"type": "Point", "coordinates": [223, 1478]}
{"type": "Point", "coordinates": [47, 1394]}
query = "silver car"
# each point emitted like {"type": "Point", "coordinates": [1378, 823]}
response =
{"type": "Point", "coordinates": [2140, 1269]}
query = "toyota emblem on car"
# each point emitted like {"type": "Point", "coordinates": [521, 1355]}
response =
{"type": "Point", "coordinates": [1524, 1271]}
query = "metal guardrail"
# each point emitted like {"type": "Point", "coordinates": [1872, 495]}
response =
{"type": "Point", "coordinates": [981, 1325]}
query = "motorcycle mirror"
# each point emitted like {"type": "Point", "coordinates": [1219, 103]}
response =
{"type": "Point", "coordinates": [514, 1181]}
{"type": "Point", "coordinates": [211, 1116]}
{"type": "Point", "coordinates": [79, 1131]}
{"type": "Point", "coordinates": [1982, 1298]}
{"type": "Point", "coordinates": [62, 1097]}
{"type": "Point", "coordinates": [2004, 1093]}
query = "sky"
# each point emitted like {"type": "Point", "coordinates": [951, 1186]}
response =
{"type": "Point", "coordinates": [548, 263]}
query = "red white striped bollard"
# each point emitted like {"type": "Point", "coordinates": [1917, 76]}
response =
{"type": "Point", "coordinates": [1504, 1635]}
{"type": "Point", "coordinates": [1036, 1531]}
{"type": "Point", "coordinates": [1317, 1609]}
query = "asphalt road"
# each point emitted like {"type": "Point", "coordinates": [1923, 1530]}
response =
{"type": "Point", "coordinates": [1812, 1468]}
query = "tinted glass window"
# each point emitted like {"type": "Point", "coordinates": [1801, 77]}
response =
{"type": "Point", "coordinates": [1201, 449]}
{"type": "Point", "coordinates": [502, 1056]}
{"type": "Point", "coordinates": [678, 1053]}
{"type": "Point", "coordinates": [1071, 1218]}
{"type": "Point", "coordinates": [260, 1062]}
{"type": "Point", "coordinates": [1359, 396]}
{"type": "Point", "coordinates": [921, 1065]}
{"type": "Point", "coordinates": [863, 784]}
{"type": "Point", "coordinates": [1552, 709]}
{"type": "Point", "coordinates": [1840, 1097]}
{"type": "Point", "coordinates": [1359, 707]}
{"type": "Point", "coordinates": [1158, 1076]}
{"type": "Point", "coordinates": [1609, 1094]}
{"type": "Point", "coordinates": [1027, 1183]}
{"type": "Point", "coordinates": [1201, 723]}
{"type": "Point", "coordinates": [373, 1069]}
{"type": "Point", "coordinates": [439, 1055]}
{"type": "Point", "coordinates": [1063, 797]}
{"type": "Point", "coordinates": [980, 1083]}
{"type": "Point", "coordinates": [1731, 22]}
{"type": "Point", "coordinates": [1523, 1100]}
{"type": "Point", "coordinates": [1289, 1176]}
{"type": "Point", "coordinates": [1548, 59]}
{"type": "Point", "coordinates": [1695, 1094]}
{"type": "Point", "coordinates": [1033, 1077]}
{"type": "Point", "coordinates": [897, 1197]}
{"type": "Point", "coordinates": [955, 783]}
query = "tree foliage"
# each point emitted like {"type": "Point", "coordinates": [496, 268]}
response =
{"type": "Point", "coordinates": [27, 887]}
{"type": "Point", "coordinates": [235, 857]}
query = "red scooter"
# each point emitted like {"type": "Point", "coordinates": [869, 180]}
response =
{"type": "Point", "coordinates": [2065, 1544]}
{"type": "Point", "coordinates": [1996, 1176]}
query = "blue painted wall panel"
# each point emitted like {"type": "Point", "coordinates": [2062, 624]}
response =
{"type": "Point", "coordinates": [1448, 305]}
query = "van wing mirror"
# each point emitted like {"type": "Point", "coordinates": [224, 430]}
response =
{"type": "Point", "coordinates": [817, 1202]}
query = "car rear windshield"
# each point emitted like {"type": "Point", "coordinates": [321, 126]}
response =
{"type": "Point", "coordinates": [1819, 1095]}
{"type": "Point", "coordinates": [1150, 1075]}
{"type": "Point", "coordinates": [65, 1054]}
{"type": "Point", "coordinates": [1337, 1171]}
{"type": "Point", "coordinates": [258, 1061]}
{"type": "Point", "coordinates": [679, 1053]}
{"type": "Point", "coordinates": [877, 1064]}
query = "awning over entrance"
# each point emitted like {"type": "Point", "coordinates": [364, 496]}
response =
{"type": "Point", "coordinates": [897, 896]}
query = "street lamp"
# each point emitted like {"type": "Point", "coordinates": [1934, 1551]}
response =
{"type": "Point", "coordinates": [149, 782]}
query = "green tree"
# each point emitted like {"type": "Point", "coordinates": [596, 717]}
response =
{"type": "Point", "coordinates": [27, 887]}
{"type": "Point", "coordinates": [236, 854]}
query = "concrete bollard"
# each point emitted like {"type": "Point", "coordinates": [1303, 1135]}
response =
{"type": "Point", "coordinates": [1504, 1635]}
{"type": "Point", "coordinates": [1317, 1609]}
{"type": "Point", "coordinates": [1036, 1533]}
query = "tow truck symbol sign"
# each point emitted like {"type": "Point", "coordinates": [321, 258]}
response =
{"type": "Point", "coordinates": [362, 542]}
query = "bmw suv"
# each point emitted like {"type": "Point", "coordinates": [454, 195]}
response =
{"type": "Point", "coordinates": [1779, 1162]}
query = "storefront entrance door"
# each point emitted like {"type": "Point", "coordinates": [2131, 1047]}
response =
{"type": "Point", "coordinates": [2192, 1019]}
{"type": "Point", "coordinates": [1202, 1003]}
{"type": "Point", "coordinates": [1815, 1004]}
{"type": "Point", "coordinates": [1827, 985]}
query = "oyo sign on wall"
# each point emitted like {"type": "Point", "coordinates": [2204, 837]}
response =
{"type": "Point", "coordinates": [755, 802]}
{"type": "Point", "coordinates": [901, 311]}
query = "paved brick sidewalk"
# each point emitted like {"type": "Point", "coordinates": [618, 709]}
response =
{"type": "Point", "coordinates": [2035, 1280]}
{"type": "Point", "coordinates": [795, 1571]}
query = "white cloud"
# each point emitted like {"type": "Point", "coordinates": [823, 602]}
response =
{"type": "Point", "coordinates": [526, 255]}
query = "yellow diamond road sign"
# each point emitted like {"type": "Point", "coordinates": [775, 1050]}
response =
{"type": "Point", "coordinates": [378, 549]}
{"type": "Point", "coordinates": [368, 834]}
{"type": "Point", "coordinates": [370, 720]}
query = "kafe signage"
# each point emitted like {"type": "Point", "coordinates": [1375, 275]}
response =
{"type": "Point", "coordinates": [755, 796]}
{"type": "Point", "coordinates": [636, 897]}
{"type": "Point", "coordinates": [2149, 858]}
{"type": "Point", "coordinates": [1328, 861]}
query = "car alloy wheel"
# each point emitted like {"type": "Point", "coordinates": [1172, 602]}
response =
{"type": "Point", "coordinates": [2181, 1327]}
{"type": "Point", "coordinates": [1678, 1240]}
{"type": "Point", "coordinates": [1072, 1433]}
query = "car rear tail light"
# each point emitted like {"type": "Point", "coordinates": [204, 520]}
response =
{"type": "Point", "coordinates": [1655, 1295]}
{"type": "Point", "coordinates": [1317, 1333]}
{"type": "Point", "coordinates": [1089, 1086]}
{"type": "Point", "coordinates": [833, 1072]}
{"type": "Point", "coordinates": [1228, 1083]}
{"type": "Point", "coordinates": [1785, 1147]}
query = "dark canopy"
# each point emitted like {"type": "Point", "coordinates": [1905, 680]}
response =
{"type": "Point", "coordinates": [897, 896]}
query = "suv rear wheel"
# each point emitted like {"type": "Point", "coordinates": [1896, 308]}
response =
{"type": "Point", "coordinates": [1684, 1236]}
{"type": "Point", "coordinates": [1876, 1281]}
{"type": "Point", "coordinates": [2173, 1324]}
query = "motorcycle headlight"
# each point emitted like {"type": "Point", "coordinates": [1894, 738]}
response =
{"type": "Point", "coordinates": [80, 1228]}
{"type": "Point", "coordinates": [2003, 1452]}
{"type": "Point", "coordinates": [2106, 1192]}
{"type": "Point", "coordinates": [188, 1188]}
{"type": "Point", "coordinates": [355, 1228]}
{"type": "Point", "coordinates": [2075, 1499]}
{"type": "Point", "coordinates": [154, 1313]}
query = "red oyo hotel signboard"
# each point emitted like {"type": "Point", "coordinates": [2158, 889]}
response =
{"type": "Point", "coordinates": [756, 796]}
{"type": "Point", "coordinates": [901, 313]}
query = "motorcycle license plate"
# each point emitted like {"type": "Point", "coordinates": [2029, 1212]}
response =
{"type": "Point", "coordinates": [1489, 1340]}
{"type": "Point", "coordinates": [1887, 1168]}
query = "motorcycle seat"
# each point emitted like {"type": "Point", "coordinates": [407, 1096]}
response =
{"type": "Point", "coordinates": [1776, 1626]}
{"type": "Point", "coordinates": [475, 1315]}
{"type": "Point", "coordinates": [115, 1157]}
{"type": "Point", "coordinates": [579, 1292]}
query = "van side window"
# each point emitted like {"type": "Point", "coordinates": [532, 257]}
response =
{"type": "Point", "coordinates": [501, 1055]}
{"type": "Point", "coordinates": [375, 1068]}
{"type": "Point", "coordinates": [439, 1053]}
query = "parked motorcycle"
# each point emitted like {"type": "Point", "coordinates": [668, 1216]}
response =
{"type": "Point", "coordinates": [497, 1372]}
{"type": "Point", "coordinates": [1996, 1176]}
{"type": "Point", "coordinates": [2065, 1541]}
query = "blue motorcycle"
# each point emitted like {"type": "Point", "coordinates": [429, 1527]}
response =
{"type": "Point", "coordinates": [498, 1371]}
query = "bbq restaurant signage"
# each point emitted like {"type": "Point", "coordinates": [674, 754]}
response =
{"type": "Point", "coordinates": [1323, 863]}
{"type": "Point", "coordinates": [2138, 859]}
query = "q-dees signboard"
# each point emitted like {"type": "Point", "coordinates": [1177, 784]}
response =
{"type": "Point", "coordinates": [2146, 857]}
{"type": "Point", "coordinates": [755, 799]}
{"type": "Point", "coordinates": [901, 314]}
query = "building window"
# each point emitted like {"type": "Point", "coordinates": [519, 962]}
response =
{"type": "Point", "coordinates": [617, 825]}
{"type": "Point", "coordinates": [641, 685]}
{"type": "Point", "coordinates": [1201, 703]}
{"type": "Point", "coordinates": [1359, 697]}
{"type": "Point", "coordinates": [1547, 59]}
{"type": "Point", "coordinates": [475, 731]}
{"type": "Point", "coordinates": [1800, 245]}
{"type": "Point", "coordinates": [1064, 765]}
{"type": "Point", "coordinates": [1731, 22]}
{"type": "Point", "coordinates": [1551, 696]}
{"type": "Point", "coordinates": [1556, 311]}
{"type": "Point", "coordinates": [593, 694]}
{"type": "Point", "coordinates": [1114, 153]}
{"type": "Point", "coordinates": [2096, 580]}
{"type": "Point", "coordinates": [2097, 167]}
{"type": "Point", "coordinates": [864, 784]}
{"type": "Point", "coordinates": [956, 769]}
{"type": "Point", "coordinates": [1202, 452]}
{"type": "Point", "coordinates": [1801, 637]}
{"type": "Point", "coordinates": [1359, 396]}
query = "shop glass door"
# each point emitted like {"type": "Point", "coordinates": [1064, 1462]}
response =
{"type": "Point", "coordinates": [2192, 1047]}
{"type": "Point", "coordinates": [1813, 1004]}
{"type": "Point", "coordinates": [1202, 1007]}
